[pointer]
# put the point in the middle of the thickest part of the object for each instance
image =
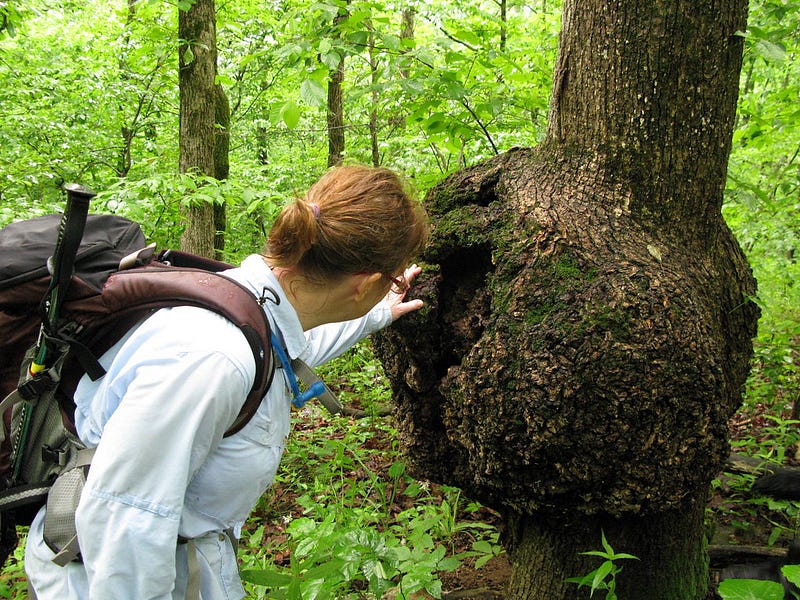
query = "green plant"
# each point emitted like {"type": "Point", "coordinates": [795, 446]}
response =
{"type": "Point", "coordinates": [12, 579]}
{"type": "Point", "coordinates": [345, 534]}
{"type": "Point", "coordinates": [755, 589]}
{"type": "Point", "coordinates": [774, 437]}
{"type": "Point", "coordinates": [603, 577]}
{"type": "Point", "coordinates": [342, 553]}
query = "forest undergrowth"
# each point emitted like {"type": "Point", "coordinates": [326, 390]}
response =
{"type": "Point", "coordinates": [345, 520]}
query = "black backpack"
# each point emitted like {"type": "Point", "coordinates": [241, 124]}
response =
{"type": "Point", "coordinates": [70, 287]}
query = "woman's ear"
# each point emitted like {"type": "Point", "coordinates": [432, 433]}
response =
{"type": "Point", "coordinates": [365, 284]}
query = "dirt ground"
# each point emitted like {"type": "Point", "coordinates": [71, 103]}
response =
{"type": "Point", "coordinates": [486, 583]}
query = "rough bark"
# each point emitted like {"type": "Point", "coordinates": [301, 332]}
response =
{"type": "Point", "coordinates": [588, 321]}
{"type": "Point", "coordinates": [197, 74]}
{"type": "Point", "coordinates": [548, 553]}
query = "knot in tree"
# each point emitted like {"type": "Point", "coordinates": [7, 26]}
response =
{"type": "Point", "coordinates": [588, 322]}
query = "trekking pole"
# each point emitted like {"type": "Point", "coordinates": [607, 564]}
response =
{"type": "Point", "coordinates": [62, 264]}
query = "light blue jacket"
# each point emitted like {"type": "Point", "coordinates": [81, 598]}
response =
{"type": "Point", "coordinates": [162, 468]}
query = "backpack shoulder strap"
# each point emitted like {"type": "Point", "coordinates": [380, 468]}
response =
{"type": "Point", "coordinates": [129, 295]}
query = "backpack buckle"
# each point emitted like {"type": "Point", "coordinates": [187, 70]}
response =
{"type": "Point", "coordinates": [36, 386]}
{"type": "Point", "coordinates": [57, 456]}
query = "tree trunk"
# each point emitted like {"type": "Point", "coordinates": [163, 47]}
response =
{"type": "Point", "coordinates": [335, 117]}
{"type": "Point", "coordinates": [197, 74]}
{"type": "Point", "coordinates": [336, 107]}
{"type": "Point", "coordinates": [503, 25]}
{"type": "Point", "coordinates": [407, 33]}
{"type": "Point", "coordinates": [588, 323]}
{"type": "Point", "coordinates": [124, 160]}
{"type": "Point", "coordinates": [546, 553]}
{"type": "Point", "coordinates": [373, 114]}
{"type": "Point", "coordinates": [222, 142]}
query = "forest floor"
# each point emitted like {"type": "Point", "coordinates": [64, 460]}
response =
{"type": "Point", "coordinates": [735, 519]}
{"type": "Point", "coordinates": [732, 520]}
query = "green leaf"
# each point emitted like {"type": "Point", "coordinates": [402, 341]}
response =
{"type": "Point", "coordinates": [624, 555]}
{"type": "Point", "coordinates": [290, 113]}
{"type": "Point", "coordinates": [605, 543]}
{"type": "Point", "coordinates": [358, 38]}
{"type": "Point", "coordinates": [397, 469]}
{"type": "Point", "coordinates": [598, 582]}
{"type": "Point", "coordinates": [313, 93]}
{"type": "Point", "coordinates": [482, 560]}
{"type": "Point", "coordinates": [792, 573]}
{"type": "Point", "coordinates": [436, 123]}
{"type": "Point", "coordinates": [584, 580]}
{"type": "Point", "coordinates": [449, 564]}
{"type": "Point", "coordinates": [266, 578]}
{"type": "Point", "coordinates": [770, 51]}
{"type": "Point", "coordinates": [331, 59]}
{"type": "Point", "coordinates": [750, 589]}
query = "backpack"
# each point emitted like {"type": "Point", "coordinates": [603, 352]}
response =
{"type": "Point", "coordinates": [71, 286]}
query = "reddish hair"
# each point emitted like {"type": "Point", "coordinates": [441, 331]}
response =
{"type": "Point", "coordinates": [355, 219]}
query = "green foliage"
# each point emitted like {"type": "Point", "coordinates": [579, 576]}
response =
{"type": "Point", "coordinates": [603, 577]}
{"type": "Point", "coordinates": [88, 92]}
{"type": "Point", "coordinates": [762, 195]}
{"type": "Point", "coordinates": [750, 589]}
{"type": "Point", "coordinates": [753, 589]}
{"type": "Point", "coordinates": [776, 435]}
{"type": "Point", "coordinates": [12, 578]}
{"type": "Point", "coordinates": [351, 534]}
{"type": "Point", "coordinates": [94, 99]}
{"type": "Point", "coordinates": [359, 378]}
{"type": "Point", "coordinates": [10, 16]}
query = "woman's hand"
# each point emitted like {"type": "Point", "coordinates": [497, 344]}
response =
{"type": "Point", "coordinates": [395, 298]}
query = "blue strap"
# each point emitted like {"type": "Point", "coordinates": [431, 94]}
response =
{"type": "Point", "coordinates": [299, 398]}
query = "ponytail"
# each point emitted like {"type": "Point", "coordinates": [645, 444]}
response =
{"type": "Point", "coordinates": [355, 219]}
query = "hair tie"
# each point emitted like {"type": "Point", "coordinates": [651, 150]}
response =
{"type": "Point", "coordinates": [315, 210]}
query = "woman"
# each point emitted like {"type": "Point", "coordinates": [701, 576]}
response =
{"type": "Point", "coordinates": [167, 494]}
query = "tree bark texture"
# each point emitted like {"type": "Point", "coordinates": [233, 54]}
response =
{"type": "Point", "coordinates": [197, 74]}
{"type": "Point", "coordinates": [588, 323]}
{"type": "Point", "coordinates": [336, 116]}
{"type": "Point", "coordinates": [222, 142]}
{"type": "Point", "coordinates": [547, 553]}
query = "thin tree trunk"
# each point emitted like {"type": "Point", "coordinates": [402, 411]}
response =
{"type": "Point", "coordinates": [197, 74]}
{"type": "Point", "coordinates": [503, 25]}
{"type": "Point", "coordinates": [221, 164]}
{"type": "Point", "coordinates": [373, 115]}
{"type": "Point", "coordinates": [126, 131]}
{"type": "Point", "coordinates": [336, 144]}
{"type": "Point", "coordinates": [407, 33]}
{"type": "Point", "coordinates": [336, 116]}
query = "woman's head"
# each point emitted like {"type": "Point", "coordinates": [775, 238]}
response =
{"type": "Point", "coordinates": [355, 219]}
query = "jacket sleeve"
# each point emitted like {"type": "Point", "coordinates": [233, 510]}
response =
{"type": "Point", "coordinates": [173, 408]}
{"type": "Point", "coordinates": [326, 342]}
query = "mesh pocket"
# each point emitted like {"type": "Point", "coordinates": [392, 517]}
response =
{"type": "Point", "coordinates": [62, 502]}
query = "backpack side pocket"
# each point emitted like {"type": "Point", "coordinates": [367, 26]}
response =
{"type": "Point", "coordinates": [60, 533]}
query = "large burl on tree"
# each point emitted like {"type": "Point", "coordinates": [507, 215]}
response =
{"type": "Point", "coordinates": [588, 320]}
